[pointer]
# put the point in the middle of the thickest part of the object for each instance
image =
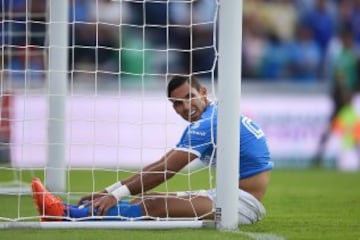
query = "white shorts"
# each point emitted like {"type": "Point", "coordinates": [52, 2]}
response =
{"type": "Point", "coordinates": [250, 210]}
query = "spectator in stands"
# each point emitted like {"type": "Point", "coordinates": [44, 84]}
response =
{"type": "Point", "coordinates": [193, 36]}
{"type": "Point", "coordinates": [12, 28]}
{"type": "Point", "coordinates": [27, 67]}
{"type": "Point", "coordinates": [36, 21]}
{"type": "Point", "coordinates": [97, 43]}
{"type": "Point", "coordinates": [204, 16]}
{"type": "Point", "coordinates": [179, 36]}
{"type": "Point", "coordinates": [154, 20]}
{"type": "Point", "coordinates": [254, 43]}
{"type": "Point", "coordinates": [305, 55]}
{"type": "Point", "coordinates": [274, 65]}
{"type": "Point", "coordinates": [344, 13]}
{"type": "Point", "coordinates": [78, 11]}
{"type": "Point", "coordinates": [355, 22]}
{"type": "Point", "coordinates": [281, 18]}
{"type": "Point", "coordinates": [321, 20]}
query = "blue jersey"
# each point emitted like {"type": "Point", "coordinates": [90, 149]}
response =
{"type": "Point", "coordinates": [199, 138]}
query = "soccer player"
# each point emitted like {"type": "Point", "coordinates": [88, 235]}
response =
{"type": "Point", "coordinates": [190, 101]}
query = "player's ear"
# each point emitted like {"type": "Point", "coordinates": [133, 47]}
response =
{"type": "Point", "coordinates": [203, 91]}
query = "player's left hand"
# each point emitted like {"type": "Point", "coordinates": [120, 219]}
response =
{"type": "Point", "coordinates": [100, 206]}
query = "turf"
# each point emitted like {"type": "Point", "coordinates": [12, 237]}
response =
{"type": "Point", "coordinates": [301, 204]}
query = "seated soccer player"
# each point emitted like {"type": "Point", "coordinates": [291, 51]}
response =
{"type": "Point", "coordinates": [190, 101]}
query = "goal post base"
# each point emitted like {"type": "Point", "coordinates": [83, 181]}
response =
{"type": "Point", "coordinates": [15, 188]}
{"type": "Point", "coordinates": [108, 225]}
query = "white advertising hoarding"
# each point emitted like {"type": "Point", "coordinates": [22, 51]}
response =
{"type": "Point", "coordinates": [113, 131]}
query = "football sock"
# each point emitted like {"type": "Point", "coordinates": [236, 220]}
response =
{"type": "Point", "coordinates": [123, 208]}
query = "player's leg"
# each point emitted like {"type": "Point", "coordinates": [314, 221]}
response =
{"type": "Point", "coordinates": [188, 204]}
{"type": "Point", "coordinates": [157, 205]}
{"type": "Point", "coordinates": [252, 190]}
{"type": "Point", "coordinates": [199, 204]}
{"type": "Point", "coordinates": [250, 210]}
{"type": "Point", "coordinates": [47, 204]}
{"type": "Point", "coordinates": [123, 209]}
{"type": "Point", "coordinates": [182, 205]}
{"type": "Point", "coordinates": [53, 208]}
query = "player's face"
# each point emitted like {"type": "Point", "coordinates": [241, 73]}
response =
{"type": "Point", "coordinates": [189, 102]}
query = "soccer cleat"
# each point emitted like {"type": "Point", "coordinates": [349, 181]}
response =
{"type": "Point", "coordinates": [49, 207]}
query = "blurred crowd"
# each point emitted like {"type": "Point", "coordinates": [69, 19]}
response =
{"type": "Point", "coordinates": [295, 40]}
{"type": "Point", "coordinates": [302, 40]}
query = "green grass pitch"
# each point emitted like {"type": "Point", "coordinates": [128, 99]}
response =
{"type": "Point", "coordinates": [301, 204]}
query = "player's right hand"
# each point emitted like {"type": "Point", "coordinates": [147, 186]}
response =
{"type": "Point", "coordinates": [87, 199]}
{"type": "Point", "coordinates": [100, 206]}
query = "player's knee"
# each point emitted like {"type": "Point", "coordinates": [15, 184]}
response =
{"type": "Point", "coordinates": [250, 209]}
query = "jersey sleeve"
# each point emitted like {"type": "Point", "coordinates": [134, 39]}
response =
{"type": "Point", "coordinates": [197, 138]}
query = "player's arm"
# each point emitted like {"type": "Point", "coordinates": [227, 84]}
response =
{"type": "Point", "coordinates": [158, 172]}
{"type": "Point", "coordinates": [150, 177]}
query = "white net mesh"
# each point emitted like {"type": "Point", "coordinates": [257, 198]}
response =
{"type": "Point", "coordinates": [121, 55]}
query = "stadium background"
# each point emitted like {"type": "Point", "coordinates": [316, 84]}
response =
{"type": "Point", "coordinates": [290, 62]}
{"type": "Point", "coordinates": [292, 104]}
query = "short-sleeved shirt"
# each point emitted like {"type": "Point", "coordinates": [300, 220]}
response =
{"type": "Point", "coordinates": [199, 138]}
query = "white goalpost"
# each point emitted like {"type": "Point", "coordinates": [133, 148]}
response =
{"type": "Point", "coordinates": [229, 84]}
{"type": "Point", "coordinates": [89, 102]}
{"type": "Point", "coordinates": [57, 87]}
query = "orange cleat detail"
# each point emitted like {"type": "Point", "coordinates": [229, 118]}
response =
{"type": "Point", "coordinates": [49, 207]}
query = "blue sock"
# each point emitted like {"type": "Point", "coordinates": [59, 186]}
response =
{"type": "Point", "coordinates": [123, 208]}
{"type": "Point", "coordinates": [74, 211]}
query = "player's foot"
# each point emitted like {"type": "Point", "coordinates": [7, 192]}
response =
{"type": "Point", "coordinates": [48, 206]}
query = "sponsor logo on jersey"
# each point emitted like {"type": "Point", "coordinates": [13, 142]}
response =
{"type": "Point", "coordinates": [198, 133]}
{"type": "Point", "coordinates": [193, 129]}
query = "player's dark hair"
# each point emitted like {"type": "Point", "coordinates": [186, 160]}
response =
{"type": "Point", "coordinates": [177, 81]}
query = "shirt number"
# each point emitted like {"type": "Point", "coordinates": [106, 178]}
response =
{"type": "Point", "coordinates": [254, 129]}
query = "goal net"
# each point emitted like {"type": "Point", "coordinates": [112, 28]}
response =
{"type": "Point", "coordinates": [83, 96]}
